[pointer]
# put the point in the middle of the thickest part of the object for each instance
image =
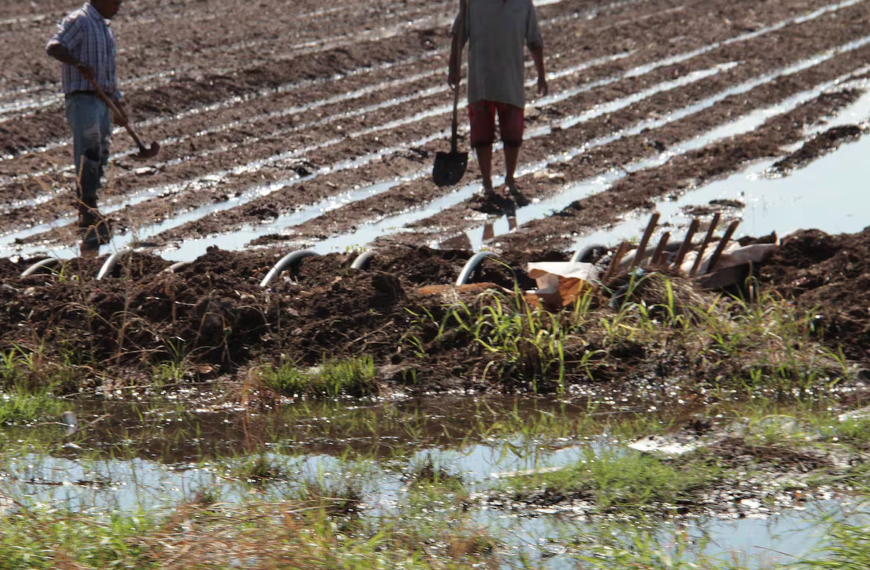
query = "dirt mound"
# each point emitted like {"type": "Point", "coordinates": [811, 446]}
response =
{"type": "Point", "coordinates": [830, 275]}
{"type": "Point", "coordinates": [10, 269]}
{"type": "Point", "coordinates": [423, 266]}
{"type": "Point", "coordinates": [214, 310]}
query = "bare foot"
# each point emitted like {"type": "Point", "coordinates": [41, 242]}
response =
{"type": "Point", "coordinates": [515, 193]}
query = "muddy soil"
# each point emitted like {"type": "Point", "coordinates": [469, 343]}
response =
{"type": "Point", "coordinates": [265, 112]}
{"type": "Point", "coordinates": [215, 316]}
{"type": "Point", "coordinates": [829, 275]}
{"type": "Point", "coordinates": [269, 111]}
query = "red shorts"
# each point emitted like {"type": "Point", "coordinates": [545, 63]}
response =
{"type": "Point", "coordinates": [510, 123]}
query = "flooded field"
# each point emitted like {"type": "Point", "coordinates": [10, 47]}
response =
{"type": "Point", "coordinates": [427, 459]}
{"type": "Point", "coordinates": [187, 396]}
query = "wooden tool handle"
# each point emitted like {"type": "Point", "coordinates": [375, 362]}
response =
{"type": "Point", "coordinates": [114, 108]}
{"type": "Point", "coordinates": [463, 8]}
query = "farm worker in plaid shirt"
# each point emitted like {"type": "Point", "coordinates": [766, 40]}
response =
{"type": "Point", "coordinates": [496, 32]}
{"type": "Point", "coordinates": [85, 45]}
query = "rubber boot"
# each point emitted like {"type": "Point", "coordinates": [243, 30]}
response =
{"type": "Point", "coordinates": [96, 226]}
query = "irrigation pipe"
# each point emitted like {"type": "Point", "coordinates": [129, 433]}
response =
{"type": "Point", "coordinates": [288, 261]}
{"type": "Point", "coordinates": [472, 265]}
{"type": "Point", "coordinates": [36, 267]}
{"type": "Point", "coordinates": [363, 261]}
{"type": "Point", "coordinates": [585, 255]}
{"type": "Point", "coordinates": [110, 264]}
{"type": "Point", "coordinates": [176, 266]}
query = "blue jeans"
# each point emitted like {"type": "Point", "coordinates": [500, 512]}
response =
{"type": "Point", "coordinates": [91, 124]}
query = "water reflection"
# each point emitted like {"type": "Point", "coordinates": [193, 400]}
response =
{"type": "Point", "coordinates": [469, 241]}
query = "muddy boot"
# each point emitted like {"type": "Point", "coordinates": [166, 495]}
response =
{"type": "Point", "coordinates": [88, 186]}
{"type": "Point", "coordinates": [96, 226]}
{"type": "Point", "coordinates": [99, 232]}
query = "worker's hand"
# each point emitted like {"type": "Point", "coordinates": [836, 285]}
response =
{"type": "Point", "coordinates": [453, 78]}
{"type": "Point", "coordinates": [86, 70]}
{"type": "Point", "coordinates": [543, 88]}
{"type": "Point", "coordinates": [120, 118]}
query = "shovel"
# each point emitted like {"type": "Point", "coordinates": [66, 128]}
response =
{"type": "Point", "coordinates": [144, 152]}
{"type": "Point", "coordinates": [450, 166]}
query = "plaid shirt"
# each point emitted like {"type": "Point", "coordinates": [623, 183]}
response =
{"type": "Point", "coordinates": [86, 34]}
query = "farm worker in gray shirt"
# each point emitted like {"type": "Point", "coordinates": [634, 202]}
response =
{"type": "Point", "coordinates": [496, 31]}
{"type": "Point", "coordinates": [85, 45]}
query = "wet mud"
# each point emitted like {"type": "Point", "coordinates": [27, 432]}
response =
{"type": "Point", "coordinates": [330, 118]}
{"type": "Point", "coordinates": [178, 186]}
{"type": "Point", "coordinates": [830, 276]}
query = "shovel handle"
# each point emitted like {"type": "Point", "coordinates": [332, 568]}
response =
{"type": "Point", "coordinates": [114, 108]}
{"type": "Point", "coordinates": [463, 10]}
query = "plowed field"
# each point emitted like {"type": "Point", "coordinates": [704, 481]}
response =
{"type": "Point", "coordinates": [314, 126]}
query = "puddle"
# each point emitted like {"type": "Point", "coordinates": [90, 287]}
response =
{"type": "Point", "coordinates": [828, 194]}
{"type": "Point", "coordinates": [179, 452]}
{"type": "Point", "coordinates": [171, 465]}
{"type": "Point", "coordinates": [744, 124]}
{"type": "Point", "coordinates": [752, 543]}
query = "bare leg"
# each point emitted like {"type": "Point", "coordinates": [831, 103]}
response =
{"type": "Point", "coordinates": [484, 159]}
{"type": "Point", "coordinates": [511, 157]}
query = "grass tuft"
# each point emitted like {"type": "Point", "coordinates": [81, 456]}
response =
{"type": "Point", "coordinates": [20, 405]}
{"type": "Point", "coordinates": [622, 479]}
{"type": "Point", "coordinates": [333, 378]}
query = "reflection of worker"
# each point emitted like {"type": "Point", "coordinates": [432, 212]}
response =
{"type": "Point", "coordinates": [85, 45]}
{"type": "Point", "coordinates": [496, 31]}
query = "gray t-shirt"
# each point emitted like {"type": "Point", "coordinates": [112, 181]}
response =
{"type": "Point", "coordinates": [497, 31]}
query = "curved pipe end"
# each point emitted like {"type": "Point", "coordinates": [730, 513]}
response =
{"type": "Point", "coordinates": [290, 260]}
{"type": "Point", "coordinates": [112, 262]}
{"type": "Point", "coordinates": [472, 265]}
{"type": "Point", "coordinates": [39, 265]}
{"type": "Point", "coordinates": [363, 261]}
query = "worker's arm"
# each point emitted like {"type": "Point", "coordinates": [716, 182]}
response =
{"type": "Point", "coordinates": [59, 52]}
{"type": "Point", "coordinates": [538, 55]}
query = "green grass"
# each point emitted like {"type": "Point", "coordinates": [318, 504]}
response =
{"type": "Point", "coordinates": [20, 405]}
{"type": "Point", "coordinates": [283, 534]}
{"type": "Point", "coordinates": [847, 548]}
{"type": "Point", "coordinates": [662, 327]}
{"type": "Point", "coordinates": [620, 479]}
{"type": "Point", "coordinates": [333, 378]}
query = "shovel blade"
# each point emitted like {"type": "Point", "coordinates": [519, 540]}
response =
{"type": "Point", "coordinates": [146, 153]}
{"type": "Point", "coordinates": [449, 168]}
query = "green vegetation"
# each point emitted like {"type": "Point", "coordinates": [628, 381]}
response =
{"type": "Point", "coordinates": [333, 378]}
{"type": "Point", "coordinates": [258, 469]}
{"type": "Point", "coordinates": [20, 406]}
{"type": "Point", "coordinates": [847, 546]}
{"type": "Point", "coordinates": [661, 327]}
{"type": "Point", "coordinates": [622, 479]}
{"type": "Point", "coordinates": [287, 534]}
